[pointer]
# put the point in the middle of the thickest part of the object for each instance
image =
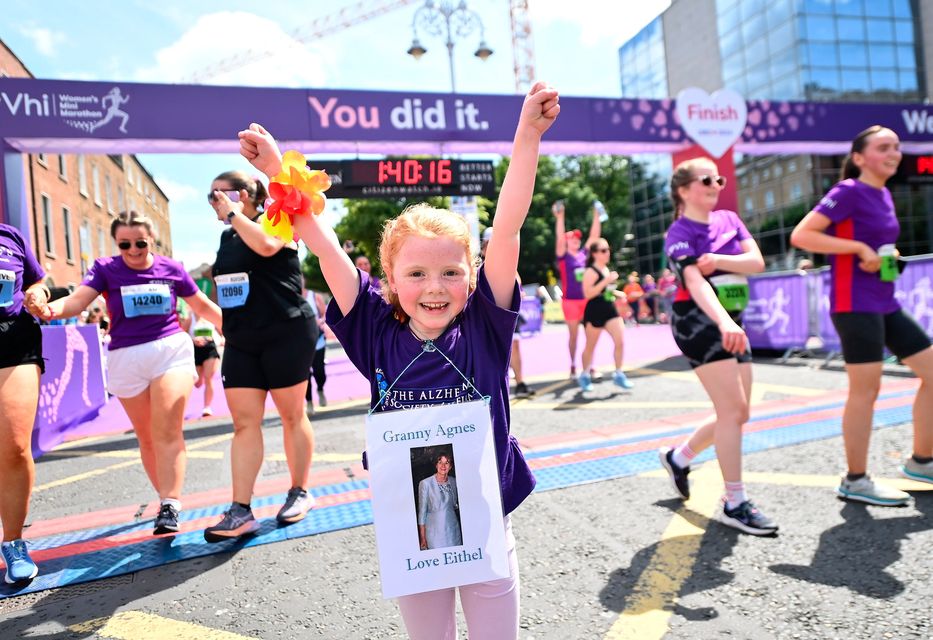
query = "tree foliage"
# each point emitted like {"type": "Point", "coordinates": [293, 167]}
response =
{"type": "Point", "coordinates": [577, 180]}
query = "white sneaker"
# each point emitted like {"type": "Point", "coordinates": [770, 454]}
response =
{"type": "Point", "coordinates": [870, 492]}
{"type": "Point", "coordinates": [919, 471]}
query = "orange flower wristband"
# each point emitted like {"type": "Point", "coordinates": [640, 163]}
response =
{"type": "Point", "coordinates": [295, 191]}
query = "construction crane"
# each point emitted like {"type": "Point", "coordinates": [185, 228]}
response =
{"type": "Point", "coordinates": [365, 10]}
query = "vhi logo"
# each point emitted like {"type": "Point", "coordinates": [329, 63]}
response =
{"type": "Point", "coordinates": [86, 112]}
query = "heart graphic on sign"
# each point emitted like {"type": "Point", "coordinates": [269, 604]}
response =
{"type": "Point", "coordinates": [714, 121]}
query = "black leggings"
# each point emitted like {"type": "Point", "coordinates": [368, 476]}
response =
{"type": "Point", "coordinates": [317, 373]}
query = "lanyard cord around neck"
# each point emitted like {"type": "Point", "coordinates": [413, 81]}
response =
{"type": "Point", "coordinates": [427, 346]}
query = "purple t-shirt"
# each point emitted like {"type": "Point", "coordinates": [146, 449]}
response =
{"type": "Point", "coordinates": [151, 295]}
{"type": "Point", "coordinates": [479, 342]}
{"type": "Point", "coordinates": [19, 270]}
{"type": "Point", "coordinates": [723, 234]}
{"type": "Point", "coordinates": [859, 212]}
{"type": "Point", "coordinates": [572, 267]}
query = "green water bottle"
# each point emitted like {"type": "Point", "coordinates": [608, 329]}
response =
{"type": "Point", "coordinates": [889, 270]}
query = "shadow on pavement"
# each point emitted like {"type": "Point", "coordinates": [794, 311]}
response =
{"type": "Point", "coordinates": [716, 543]}
{"type": "Point", "coordinates": [85, 608]}
{"type": "Point", "coordinates": [856, 553]}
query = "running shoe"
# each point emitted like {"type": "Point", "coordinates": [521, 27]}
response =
{"type": "Point", "coordinates": [920, 471]}
{"type": "Point", "coordinates": [522, 390]}
{"type": "Point", "coordinates": [166, 521]}
{"type": "Point", "coordinates": [621, 380]}
{"type": "Point", "coordinates": [207, 412]}
{"type": "Point", "coordinates": [237, 521]}
{"type": "Point", "coordinates": [573, 373]}
{"type": "Point", "coordinates": [868, 491]}
{"type": "Point", "coordinates": [746, 517]}
{"type": "Point", "coordinates": [321, 398]}
{"type": "Point", "coordinates": [19, 566]}
{"type": "Point", "coordinates": [585, 382]}
{"type": "Point", "coordinates": [678, 475]}
{"type": "Point", "coordinates": [297, 503]}
{"type": "Point", "coordinates": [595, 375]}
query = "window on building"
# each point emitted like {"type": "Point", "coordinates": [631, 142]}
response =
{"type": "Point", "coordinates": [95, 180]}
{"type": "Point", "coordinates": [82, 176]}
{"type": "Point", "coordinates": [47, 225]}
{"type": "Point", "coordinates": [796, 191]}
{"type": "Point", "coordinates": [85, 246]}
{"type": "Point", "coordinates": [791, 166]}
{"type": "Point", "coordinates": [102, 241]}
{"type": "Point", "coordinates": [769, 199]}
{"type": "Point", "coordinates": [43, 159]}
{"type": "Point", "coordinates": [108, 192]}
{"type": "Point", "coordinates": [129, 174]}
{"type": "Point", "coordinates": [749, 205]}
{"type": "Point", "coordinates": [62, 169]}
{"type": "Point", "coordinates": [66, 220]}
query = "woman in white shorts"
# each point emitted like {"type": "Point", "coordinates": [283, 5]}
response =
{"type": "Point", "coordinates": [151, 359]}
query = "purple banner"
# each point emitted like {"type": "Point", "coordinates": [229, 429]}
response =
{"type": "Point", "coordinates": [531, 316]}
{"type": "Point", "coordinates": [826, 330]}
{"type": "Point", "coordinates": [777, 313]}
{"type": "Point", "coordinates": [109, 117]}
{"type": "Point", "coordinates": [72, 388]}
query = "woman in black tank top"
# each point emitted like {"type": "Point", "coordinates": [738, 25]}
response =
{"type": "Point", "coordinates": [270, 336]}
{"type": "Point", "coordinates": [599, 289]}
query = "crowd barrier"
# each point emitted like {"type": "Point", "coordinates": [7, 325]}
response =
{"type": "Point", "coordinates": [787, 309]}
{"type": "Point", "coordinates": [72, 388]}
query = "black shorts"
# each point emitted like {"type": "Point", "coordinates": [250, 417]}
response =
{"type": "Point", "coordinates": [865, 335]}
{"type": "Point", "coordinates": [206, 352]}
{"type": "Point", "coordinates": [599, 311]}
{"type": "Point", "coordinates": [21, 342]}
{"type": "Point", "coordinates": [274, 357]}
{"type": "Point", "coordinates": [698, 337]}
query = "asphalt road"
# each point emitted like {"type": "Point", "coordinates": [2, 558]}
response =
{"type": "Point", "coordinates": [613, 559]}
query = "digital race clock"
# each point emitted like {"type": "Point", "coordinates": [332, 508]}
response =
{"type": "Point", "coordinates": [399, 177]}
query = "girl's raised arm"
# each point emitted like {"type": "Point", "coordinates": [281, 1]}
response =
{"type": "Point", "coordinates": [259, 147]}
{"type": "Point", "coordinates": [539, 111]}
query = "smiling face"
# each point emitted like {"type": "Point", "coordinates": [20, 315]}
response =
{"type": "Point", "coordinates": [698, 196]}
{"type": "Point", "coordinates": [135, 257]}
{"type": "Point", "coordinates": [362, 263]}
{"type": "Point", "coordinates": [881, 155]}
{"type": "Point", "coordinates": [443, 466]}
{"type": "Point", "coordinates": [600, 251]}
{"type": "Point", "coordinates": [431, 277]}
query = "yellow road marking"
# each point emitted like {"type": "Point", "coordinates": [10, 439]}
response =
{"type": "Point", "coordinates": [122, 465]}
{"type": "Point", "coordinates": [609, 404]}
{"type": "Point", "coordinates": [650, 606]}
{"type": "Point", "coordinates": [136, 625]}
{"type": "Point", "coordinates": [807, 480]}
{"type": "Point", "coordinates": [688, 376]}
{"type": "Point", "coordinates": [83, 453]}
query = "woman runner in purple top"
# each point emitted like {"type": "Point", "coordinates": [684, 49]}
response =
{"type": "Point", "coordinates": [432, 291]}
{"type": "Point", "coordinates": [853, 224]}
{"type": "Point", "coordinates": [150, 366]}
{"type": "Point", "coordinates": [711, 251]}
{"type": "Point", "coordinates": [21, 365]}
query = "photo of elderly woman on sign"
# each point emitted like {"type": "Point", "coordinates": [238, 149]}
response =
{"type": "Point", "coordinates": [438, 523]}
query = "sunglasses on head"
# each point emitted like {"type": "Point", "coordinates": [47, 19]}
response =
{"type": "Point", "coordinates": [141, 243]}
{"type": "Point", "coordinates": [707, 181]}
{"type": "Point", "coordinates": [232, 194]}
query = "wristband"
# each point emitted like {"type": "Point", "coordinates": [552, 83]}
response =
{"type": "Point", "coordinates": [230, 216]}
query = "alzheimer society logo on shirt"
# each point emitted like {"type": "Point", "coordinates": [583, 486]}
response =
{"type": "Point", "coordinates": [396, 398]}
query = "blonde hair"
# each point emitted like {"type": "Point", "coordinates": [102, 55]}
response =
{"type": "Point", "coordinates": [131, 219]}
{"type": "Point", "coordinates": [682, 176]}
{"type": "Point", "coordinates": [424, 221]}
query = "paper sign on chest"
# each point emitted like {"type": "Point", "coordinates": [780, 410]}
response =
{"type": "Point", "coordinates": [402, 448]}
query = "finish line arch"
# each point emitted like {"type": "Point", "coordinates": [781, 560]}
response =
{"type": "Point", "coordinates": [60, 116]}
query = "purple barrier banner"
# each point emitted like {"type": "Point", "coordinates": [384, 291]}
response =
{"type": "Point", "coordinates": [777, 313]}
{"type": "Point", "coordinates": [915, 291]}
{"type": "Point", "coordinates": [530, 317]}
{"type": "Point", "coordinates": [827, 332]}
{"type": "Point", "coordinates": [72, 389]}
{"type": "Point", "coordinates": [109, 117]}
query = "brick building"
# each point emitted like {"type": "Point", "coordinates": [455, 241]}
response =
{"type": "Point", "coordinates": [72, 200]}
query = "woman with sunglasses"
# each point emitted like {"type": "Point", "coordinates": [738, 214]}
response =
{"type": "Point", "coordinates": [270, 332]}
{"type": "Point", "coordinates": [150, 364]}
{"type": "Point", "coordinates": [599, 289]}
{"type": "Point", "coordinates": [711, 252]}
{"type": "Point", "coordinates": [854, 224]}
